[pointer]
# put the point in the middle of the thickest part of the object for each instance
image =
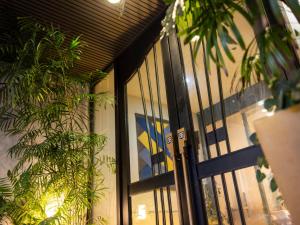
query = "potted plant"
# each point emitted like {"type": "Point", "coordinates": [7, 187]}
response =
{"type": "Point", "coordinates": [269, 58]}
{"type": "Point", "coordinates": [46, 105]}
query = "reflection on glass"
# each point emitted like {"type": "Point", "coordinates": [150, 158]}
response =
{"type": "Point", "coordinates": [259, 204]}
{"type": "Point", "coordinates": [208, 111]}
{"type": "Point", "coordinates": [223, 122]}
{"type": "Point", "coordinates": [148, 119]}
{"type": "Point", "coordinates": [214, 201]}
{"type": "Point", "coordinates": [143, 208]}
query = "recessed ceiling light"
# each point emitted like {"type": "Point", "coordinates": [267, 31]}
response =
{"type": "Point", "coordinates": [114, 1]}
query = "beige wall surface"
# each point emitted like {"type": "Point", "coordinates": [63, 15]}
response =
{"type": "Point", "coordinates": [105, 124]}
{"type": "Point", "coordinates": [6, 162]}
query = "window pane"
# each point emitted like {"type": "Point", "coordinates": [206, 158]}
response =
{"type": "Point", "coordinates": [144, 211]}
{"type": "Point", "coordinates": [208, 111]}
{"type": "Point", "coordinates": [148, 119]}
{"type": "Point", "coordinates": [260, 204]}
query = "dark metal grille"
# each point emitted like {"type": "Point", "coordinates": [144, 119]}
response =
{"type": "Point", "coordinates": [226, 163]}
{"type": "Point", "coordinates": [161, 179]}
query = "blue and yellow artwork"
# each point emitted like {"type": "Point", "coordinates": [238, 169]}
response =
{"type": "Point", "coordinates": [143, 145]}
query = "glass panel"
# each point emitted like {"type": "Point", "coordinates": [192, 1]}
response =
{"type": "Point", "coordinates": [206, 90]}
{"type": "Point", "coordinates": [172, 213]}
{"type": "Point", "coordinates": [146, 95]}
{"type": "Point", "coordinates": [223, 122]}
{"type": "Point", "coordinates": [260, 205]}
{"type": "Point", "coordinates": [143, 208]}
{"type": "Point", "coordinates": [210, 201]}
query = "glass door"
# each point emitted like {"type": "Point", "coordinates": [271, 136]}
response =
{"type": "Point", "coordinates": [153, 198]}
{"type": "Point", "coordinates": [210, 176]}
{"type": "Point", "coordinates": [222, 124]}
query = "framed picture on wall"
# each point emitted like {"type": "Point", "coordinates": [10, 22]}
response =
{"type": "Point", "coordinates": [146, 149]}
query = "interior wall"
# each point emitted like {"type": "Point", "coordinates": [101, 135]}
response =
{"type": "Point", "coordinates": [135, 106]}
{"type": "Point", "coordinates": [105, 124]}
{"type": "Point", "coordinates": [6, 162]}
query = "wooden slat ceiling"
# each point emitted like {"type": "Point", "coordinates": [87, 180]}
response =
{"type": "Point", "coordinates": [100, 23]}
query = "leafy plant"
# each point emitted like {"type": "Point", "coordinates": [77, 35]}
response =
{"type": "Point", "coordinates": [211, 24]}
{"type": "Point", "coordinates": [45, 104]}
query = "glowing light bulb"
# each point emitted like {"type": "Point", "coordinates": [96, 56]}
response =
{"type": "Point", "coordinates": [114, 1]}
{"type": "Point", "coordinates": [141, 212]}
{"type": "Point", "coordinates": [53, 205]}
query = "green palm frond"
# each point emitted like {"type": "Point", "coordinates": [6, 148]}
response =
{"type": "Point", "coordinates": [211, 23]}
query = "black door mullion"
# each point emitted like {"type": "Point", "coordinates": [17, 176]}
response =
{"type": "Point", "coordinates": [162, 131]}
{"type": "Point", "coordinates": [204, 129]}
{"type": "Point", "coordinates": [185, 120]}
{"type": "Point", "coordinates": [213, 122]}
{"type": "Point", "coordinates": [174, 125]}
{"type": "Point", "coordinates": [150, 143]}
{"type": "Point", "coordinates": [156, 138]}
{"type": "Point", "coordinates": [224, 123]}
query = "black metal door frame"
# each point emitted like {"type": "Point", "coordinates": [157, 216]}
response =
{"type": "Point", "coordinates": [179, 116]}
{"type": "Point", "coordinates": [230, 162]}
{"type": "Point", "coordinates": [126, 65]}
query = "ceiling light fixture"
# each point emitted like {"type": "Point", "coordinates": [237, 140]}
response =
{"type": "Point", "coordinates": [120, 5]}
{"type": "Point", "coordinates": [114, 1]}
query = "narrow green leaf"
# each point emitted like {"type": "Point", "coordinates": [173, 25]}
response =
{"type": "Point", "coordinates": [273, 185]}
{"type": "Point", "coordinates": [260, 176]}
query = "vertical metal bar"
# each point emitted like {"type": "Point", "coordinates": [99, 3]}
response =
{"type": "Point", "coordinates": [150, 141]}
{"type": "Point", "coordinates": [197, 199]}
{"type": "Point", "coordinates": [156, 137]}
{"type": "Point", "coordinates": [228, 207]}
{"type": "Point", "coordinates": [162, 130]}
{"type": "Point", "coordinates": [199, 97]}
{"type": "Point", "coordinates": [174, 118]}
{"type": "Point", "coordinates": [224, 122]}
{"type": "Point", "coordinates": [124, 214]}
